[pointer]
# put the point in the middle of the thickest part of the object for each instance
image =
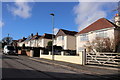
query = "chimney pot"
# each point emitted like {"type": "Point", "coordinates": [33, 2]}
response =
{"type": "Point", "coordinates": [32, 34]}
{"type": "Point", "coordinates": [23, 37]}
{"type": "Point", "coordinates": [37, 33]}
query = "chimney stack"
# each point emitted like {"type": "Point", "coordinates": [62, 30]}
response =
{"type": "Point", "coordinates": [23, 37]}
{"type": "Point", "coordinates": [117, 20]}
{"type": "Point", "coordinates": [31, 34]}
{"type": "Point", "coordinates": [37, 34]}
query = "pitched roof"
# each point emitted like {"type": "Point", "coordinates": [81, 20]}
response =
{"type": "Point", "coordinates": [32, 37]}
{"type": "Point", "coordinates": [29, 38]}
{"type": "Point", "coordinates": [21, 40]}
{"type": "Point", "coordinates": [35, 37]}
{"type": "Point", "coordinates": [47, 36]}
{"type": "Point", "coordinates": [97, 25]}
{"type": "Point", "coordinates": [66, 32]}
{"type": "Point", "coordinates": [14, 40]}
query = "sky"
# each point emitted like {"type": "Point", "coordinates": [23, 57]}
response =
{"type": "Point", "coordinates": [20, 19]}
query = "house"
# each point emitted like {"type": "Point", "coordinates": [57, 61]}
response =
{"type": "Point", "coordinates": [14, 43]}
{"type": "Point", "coordinates": [20, 42]}
{"type": "Point", "coordinates": [34, 40]}
{"type": "Point", "coordinates": [66, 39]}
{"type": "Point", "coordinates": [27, 42]}
{"type": "Point", "coordinates": [44, 39]}
{"type": "Point", "coordinates": [101, 28]}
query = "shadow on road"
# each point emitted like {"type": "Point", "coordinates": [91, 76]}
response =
{"type": "Point", "coordinates": [12, 57]}
{"type": "Point", "coordinates": [22, 74]}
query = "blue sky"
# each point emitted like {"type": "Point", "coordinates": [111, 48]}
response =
{"type": "Point", "coordinates": [20, 20]}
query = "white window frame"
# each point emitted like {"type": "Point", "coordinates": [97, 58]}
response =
{"type": "Point", "coordinates": [102, 34]}
{"type": "Point", "coordinates": [84, 37]}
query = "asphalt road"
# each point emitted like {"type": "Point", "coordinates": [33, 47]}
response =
{"type": "Point", "coordinates": [22, 67]}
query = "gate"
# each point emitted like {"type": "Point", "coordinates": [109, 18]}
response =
{"type": "Point", "coordinates": [105, 59]}
{"type": "Point", "coordinates": [36, 52]}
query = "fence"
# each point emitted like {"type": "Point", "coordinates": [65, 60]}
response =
{"type": "Point", "coordinates": [105, 59]}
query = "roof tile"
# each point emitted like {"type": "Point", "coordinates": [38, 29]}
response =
{"type": "Point", "coordinates": [97, 25]}
{"type": "Point", "coordinates": [66, 32]}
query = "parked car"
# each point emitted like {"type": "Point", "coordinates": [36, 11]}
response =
{"type": "Point", "coordinates": [8, 49]}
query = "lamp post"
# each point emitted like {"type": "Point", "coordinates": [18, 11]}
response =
{"type": "Point", "coordinates": [53, 34]}
{"type": "Point", "coordinates": [8, 39]}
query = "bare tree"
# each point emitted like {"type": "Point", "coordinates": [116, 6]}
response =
{"type": "Point", "coordinates": [101, 45]}
{"type": "Point", "coordinates": [7, 40]}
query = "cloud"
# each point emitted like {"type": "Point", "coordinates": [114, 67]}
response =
{"type": "Point", "coordinates": [1, 23]}
{"type": "Point", "coordinates": [56, 30]}
{"type": "Point", "coordinates": [24, 0]}
{"type": "Point", "coordinates": [88, 12]}
{"type": "Point", "coordinates": [98, 0]}
{"type": "Point", "coordinates": [21, 9]}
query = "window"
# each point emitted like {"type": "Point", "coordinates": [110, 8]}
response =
{"type": "Point", "coordinates": [102, 34]}
{"type": "Point", "coordinates": [84, 37]}
{"type": "Point", "coordinates": [63, 46]}
{"type": "Point", "coordinates": [61, 38]}
{"type": "Point", "coordinates": [40, 41]}
{"type": "Point", "coordinates": [81, 49]}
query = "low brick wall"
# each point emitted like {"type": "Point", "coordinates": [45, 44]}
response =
{"type": "Point", "coordinates": [22, 52]}
{"type": "Point", "coordinates": [28, 53]}
{"type": "Point", "coordinates": [19, 52]}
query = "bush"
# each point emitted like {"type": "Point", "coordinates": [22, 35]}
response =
{"type": "Point", "coordinates": [101, 45]}
{"type": "Point", "coordinates": [49, 43]}
{"type": "Point", "coordinates": [54, 47]}
{"type": "Point", "coordinates": [28, 50]}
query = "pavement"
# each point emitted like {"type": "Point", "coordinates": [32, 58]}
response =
{"type": "Point", "coordinates": [89, 69]}
{"type": "Point", "coordinates": [35, 68]}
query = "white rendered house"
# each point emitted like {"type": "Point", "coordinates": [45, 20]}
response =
{"type": "Point", "coordinates": [100, 28]}
{"type": "Point", "coordinates": [66, 39]}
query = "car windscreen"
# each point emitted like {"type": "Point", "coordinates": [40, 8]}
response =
{"type": "Point", "coordinates": [11, 48]}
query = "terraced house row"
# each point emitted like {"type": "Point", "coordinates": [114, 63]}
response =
{"type": "Point", "coordinates": [102, 35]}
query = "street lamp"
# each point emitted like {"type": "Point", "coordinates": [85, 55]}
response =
{"type": "Point", "coordinates": [53, 34]}
{"type": "Point", "coordinates": [8, 39]}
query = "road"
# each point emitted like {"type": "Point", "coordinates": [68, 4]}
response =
{"type": "Point", "coordinates": [22, 67]}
